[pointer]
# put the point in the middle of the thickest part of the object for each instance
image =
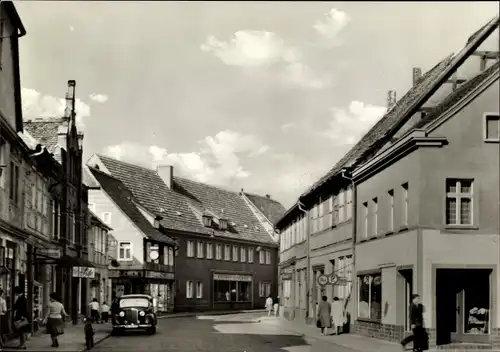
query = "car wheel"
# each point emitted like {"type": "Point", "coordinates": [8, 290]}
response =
{"type": "Point", "coordinates": [152, 330]}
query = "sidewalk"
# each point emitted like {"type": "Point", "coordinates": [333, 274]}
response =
{"type": "Point", "coordinates": [351, 341]}
{"type": "Point", "coordinates": [72, 340]}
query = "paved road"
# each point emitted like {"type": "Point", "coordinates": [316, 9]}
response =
{"type": "Point", "coordinates": [228, 333]}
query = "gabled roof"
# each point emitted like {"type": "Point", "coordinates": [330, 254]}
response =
{"type": "Point", "coordinates": [44, 131]}
{"type": "Point", "coordinates": [124, 199]}
{"type": "Point", "coordinates": [270, 208]}
{"type": "Point", "coordinates": [98, 220]}
{"type": "Point", "coordinates": [407, 105]}
{"type": "Point", "coordinates": [457, 95]}
{"type": "Point", "coordinates": [182, 206]}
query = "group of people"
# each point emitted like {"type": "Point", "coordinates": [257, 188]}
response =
{"type": "Point", "coordinates": [99, 313]}
{"type": "Point", "coordinates": [330, 315]}
{"type": "Point", "coordinates": [272, 305]}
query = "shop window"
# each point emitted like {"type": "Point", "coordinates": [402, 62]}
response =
{"type": "Point", "coordinates": [199, 289]}
{"type": "Point", "coordinates": [238, 291]}
{"type": "Point", "coordinates": [370, 297]}
{"type": "Point", "coordinates": [189, 289]}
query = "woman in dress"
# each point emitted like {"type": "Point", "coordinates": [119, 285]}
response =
{"type": "Point", "coordinates": [54, 320]}
{"type": "Point", "coordinates": [269, 305]}
{"type": "Point", "coordinates": [337, 315]}
{"type": "Point", "coordinates": [324, 312]}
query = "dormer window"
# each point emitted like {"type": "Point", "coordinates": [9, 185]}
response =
{"type": "Point", "coordinates": [207, 220]}
{"type": "Point", "coordinates": [223, 224]}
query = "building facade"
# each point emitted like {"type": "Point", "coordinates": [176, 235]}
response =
{"type": "Point", "coordinates": [226, 249]}
{"type": "Point", "coordinates": [425, 202]}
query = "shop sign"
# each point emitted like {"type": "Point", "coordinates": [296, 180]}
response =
{"type": "Point", "coordinates": [229, 277]}
{"type": "Point", "coordinates": [127, 273]}
{"type": "Point", "coordinates": [286, 276]}
{"type": "Point", "coordinates": [49, 252]}
{"type": "Point", "coordinates": [322, 280]}
{"type": "Point", "coordinates": [83, 272]}
{"type": "Point", "coordinates": [159, 275]}
{"type": "Point", "coordinates": [288, 270]}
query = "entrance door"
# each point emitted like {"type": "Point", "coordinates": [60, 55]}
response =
{"type": "Point", "coordinates": [463, 305]}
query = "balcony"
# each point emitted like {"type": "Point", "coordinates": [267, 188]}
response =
{"type": "Point", "coordinates": [159, 267]}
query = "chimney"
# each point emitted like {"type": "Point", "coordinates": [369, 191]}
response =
{"type": "Point", "coordinates": [391, 99]}
{"type": "Point", "coordinates": [69, 111]}
{"type": "Point", "coordinates": [80, 139]}
{"type": "Point", "coordinates": [62, 132]}
{"type": "Point", "coordinates": [417, 75]}
{"type": "Point", "coordinates": [166, 172]}
{"type": "Point", "coordinates": [268, 196]}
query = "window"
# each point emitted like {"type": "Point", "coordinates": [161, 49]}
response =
{"type": "Point", "coordinates": [171, 256]}
{"type": "Point", "coordinates": [92, 207]}
{"type": "Point", "coordinates": [370, 297]}
{"type": "Point", "coordinates": [14, 183]}
{"type": "Point", "coordinates": [262, 257]}
{"type": "Point", "coordinates": [218, 252]}
{"type": "Point", "coordinates": [125, 251]}
{"type": "Point", "coordinates": [3, 144]}
{"type": "Point", "coordinates": [287, 288]}
{"type": "Point", "coordinates": [492, 127]}
{"type": "Point", "coordinates": [268, 257]}
{"type": "Point", "coordinates": [250, 255]}
{"type": "Point", "coordinates": [190, 249]}
{"type": "Point", "coordinates": [210, 252]}
{"type": "Point", "coordinates": [459, 202]}
{"type": "Point", "coordinates": [391, 210]}
{"type": "Point", "coordinates": [199, 289]}
{"type": "Point", "coordinates": [235, 253]}
{"type": "Point", "coordinates": [365, 220]}
{"type": "Point", "coordinates": [348, 205]}
{"type": "Point", "coordinates": [375, 216]}
{"type": "Point", "coordinates": [243, 254]}
{"type": "Point", "coordinates": [265, 289]}
{"type": "Point", "coordinates": [226, 290]}
{"type": "Point", "coordinates": [404, 189]}
{"type": "Point", "coordinates": [189, 289]}
{"type": "Point", "coordinates": [341, 205]}
{"type": "Point", "coordinates": [227, 252]}
{"type": "Point", "coordinates": [106, 218]}
{"type": "Point", "coordinates": [199, 250]}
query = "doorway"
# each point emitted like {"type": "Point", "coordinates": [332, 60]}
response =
{"type": "Point", "coordinates": [463, 299]}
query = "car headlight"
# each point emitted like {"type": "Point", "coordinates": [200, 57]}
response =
{"type": "Point", "coordinates": [122, 314]}
{"type": "Point", "coordinates": [141, 313]}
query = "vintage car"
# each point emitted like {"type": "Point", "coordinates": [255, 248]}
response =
{"type": "Point", "coordinates": [134, 312]}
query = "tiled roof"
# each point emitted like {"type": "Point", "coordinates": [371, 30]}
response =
{"type": "Point", "coordinates": [124, 199]}
{"type": "Point", "coordinates": [399, 114]}
{"type": "Point", "coordinates": [182, 207]}
{"type": "Point", "coordinates": [270, 208]}
{"type": "Point", "coordinates": [454, 97]}
{"type": "Point", "coordinates": [44, 131]}
{"type": "Point", "coordinates": [88, 179]}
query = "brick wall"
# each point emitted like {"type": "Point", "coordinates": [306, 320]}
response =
{"type": "Point", "coordinates": [387, 332]}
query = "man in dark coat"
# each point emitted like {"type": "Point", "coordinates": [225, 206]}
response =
{"type": "Point", "coordinates": [20, 313]}
{"type": "Point", "coordinates": [419, 336]}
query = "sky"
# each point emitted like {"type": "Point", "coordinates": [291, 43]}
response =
{"type": "Point", "coordinates": [260, 96]}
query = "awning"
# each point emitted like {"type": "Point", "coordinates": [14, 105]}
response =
{"type": "Point", "coordinates": [69, 262]}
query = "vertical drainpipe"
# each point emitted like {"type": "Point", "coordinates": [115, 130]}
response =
{"type": "Point", "coordinates": [300, 205]}
{"type": "Point", "coordinates": [354, 235]}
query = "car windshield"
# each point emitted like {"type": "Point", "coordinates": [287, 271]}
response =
{"type": "Point", "coordinates": [134, 302]}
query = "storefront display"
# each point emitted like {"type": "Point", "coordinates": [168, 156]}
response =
{"type": "Point", "coordinates": [232, 288]}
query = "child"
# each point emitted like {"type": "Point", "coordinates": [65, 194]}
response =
{"type": "Point", "coordinates": [89, 333]}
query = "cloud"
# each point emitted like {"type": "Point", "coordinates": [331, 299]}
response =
{"type": "Point", "coordinates": [71, 28]}
{"type": "Point", "coordinates": [100, 98]}
{"type": "Point", "coordinates": [37, 105]}
{"type": "Point", "coordinates": [349, 125]}
{"type": "Point", "coordinates": [262, 49]}
{"type": "Point", "coordinates": [288, 126]}
{"type": "Point", "coordinates": [330, 27]}
{"type": "Point", "coordinates": [218, 160]}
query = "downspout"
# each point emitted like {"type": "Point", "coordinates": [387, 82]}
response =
{"type": "Point", "coordinates": [354, 234]}
{"type": "Point", "coordinates": [301, 206]}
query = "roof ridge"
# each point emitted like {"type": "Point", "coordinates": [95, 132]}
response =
{"type": "Point", "coordinates": [91, 168]}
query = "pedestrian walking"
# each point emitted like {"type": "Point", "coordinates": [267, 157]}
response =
{"type": "Point", "coordinates": [419, 337]}
{"type": "Point", "coordinates": [21, 323]}
{"type": "Point", "coordinates": [337, 315]}
{"type": "Point", "coordinates": [94, 310]}
{"type": "Point", "coordinates": [324, 315]}
{"type": "Point", "coordinates": [54, 321]}
{"type": "Point", "coordinates": [3, 322]}
{"type": "Point", "coordinates": [104, 312]}
{"type": "Point", "coordinates": [269, 305]}
{"type": "Point", "coordinates": [276, 305]}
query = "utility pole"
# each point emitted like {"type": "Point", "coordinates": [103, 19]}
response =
{"type": "Point", "coordinates": [301, 207]}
